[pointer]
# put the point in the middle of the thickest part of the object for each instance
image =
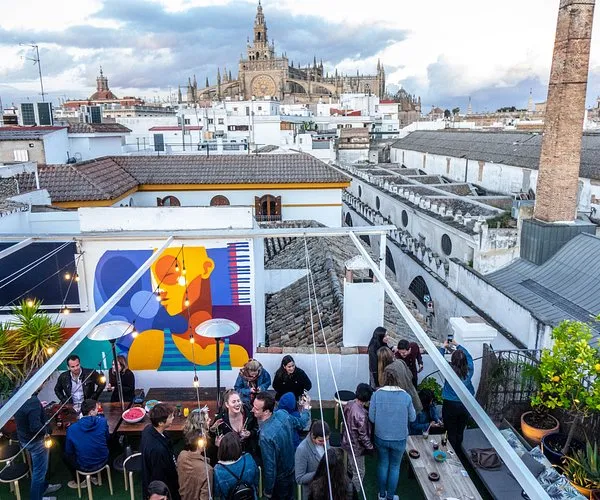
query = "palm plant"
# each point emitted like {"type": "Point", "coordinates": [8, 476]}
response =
{"type": "Point", "coordinates": [9, 358]}
{"type": "Point", "coordinates": [583, 468]}
{"type": "Point", "coordinates": [36, 335]}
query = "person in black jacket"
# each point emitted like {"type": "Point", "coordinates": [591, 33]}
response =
{"type": "Point", "coordinates": [380, 339]}
{"type": "Point", "coordinates": [78, 383]}
{"type": "Point", "coordinates": [127, 381]}
{"type": "Point", "coordinates": [158, 459]}
{"type": "Point", "coordinates": [31, 430]}
{"type": "Point", "coordinates": [290, 378]}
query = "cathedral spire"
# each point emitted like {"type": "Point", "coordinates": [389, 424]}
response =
{"type": "Point", "coordinates": [194, 83]}
{"type": "Point", "coordinates": [207, 84]}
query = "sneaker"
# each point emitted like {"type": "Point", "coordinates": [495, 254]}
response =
{"type": "Point", "coordinates": [73, 484]}
{"type": "Point", "coordinates": [52, 488]}
{"type": "Point", "coordinates": [48, 498]}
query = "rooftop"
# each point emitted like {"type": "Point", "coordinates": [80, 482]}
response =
{"type": "Point", "coordinates": [521, 149]}
{"type": "Point", "coordinates": [565, 287]}
{"type": "Point", "coordinates": [110, 177]}
{"type": "Point", "coordinates": [25, 133]}
{"type": "Point", "coordinates": [98, 128]}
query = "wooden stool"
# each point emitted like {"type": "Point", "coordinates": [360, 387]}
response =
{"type": "Point", "coordinates": [133, 463]}
{"type": "Point", "coordinates": [260, 485]}
{"type": "Point", "coordinates": [12, 474]}
{"type": "Point", "coordinates": [88, 480]}
{"type": "Point", "coordinates": [341, 399]}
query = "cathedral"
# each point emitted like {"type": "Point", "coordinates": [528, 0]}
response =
{"type": "Point", "coordinates": [262, 73]}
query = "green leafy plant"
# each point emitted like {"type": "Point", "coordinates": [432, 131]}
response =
{"type": "Point", "coordinates": [9, 357]}
{"type": "Point", "coordinates": [33, 337]}
{"type": "Point", "coordinates": [434, 386]}
{"type": "Point", "coordinates": [583, 468]}
{"type": "Point", "coordinates": [569, 374]}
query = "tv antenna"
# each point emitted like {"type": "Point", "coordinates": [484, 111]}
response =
{"type": "Point", "coordinates": [36, 60]}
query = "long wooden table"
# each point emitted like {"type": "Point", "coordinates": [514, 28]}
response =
{"type": "Point", "coordinates": [112, 413]}
{"type": "Point", "coordinates": [454, 481]}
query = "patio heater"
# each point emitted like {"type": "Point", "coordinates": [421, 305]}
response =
{"type": "Point", "coordinates": [111, 331]}
{"type": "Point", "coordinates": [217, 328]}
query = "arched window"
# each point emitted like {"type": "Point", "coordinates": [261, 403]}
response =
{"type": "Point", "coordinates": [348, 219]}
{"type": "Point", "coordinates": [168, 201]}
{"type": "Point", "coordinates": [366, 239]}
{"type": "Point", "coordinates": [219, 201]}
{"type": "Point", "coordinates": [446, 244]}
{"type": "Point", "coordinates": [267, 208]}
{"type": "Point", "coordinates": [419, 289]}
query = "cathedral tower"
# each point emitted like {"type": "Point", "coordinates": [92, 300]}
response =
{"type": "Point", "coordinates": [260, 48]}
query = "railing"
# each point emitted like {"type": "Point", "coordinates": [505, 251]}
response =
{"type": "Point", "coordinates": [268, 218]}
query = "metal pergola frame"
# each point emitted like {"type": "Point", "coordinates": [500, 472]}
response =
{"type": "Point", "coordinates": [527, 481]}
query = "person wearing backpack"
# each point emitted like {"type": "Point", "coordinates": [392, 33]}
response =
{"type": "Point", "coordinates": [236, 473]}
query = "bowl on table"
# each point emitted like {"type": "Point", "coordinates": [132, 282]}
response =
{"type": "Point", "coordinates": [439, 456]}
{"type": "Point", "coordinates": [134, 415]}
{"type": "Point", "coordinates": [151, 403]}
{"type": "Point", "coordinates": [412, 453]}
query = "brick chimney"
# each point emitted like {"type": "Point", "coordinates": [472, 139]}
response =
{"type": "Point", "coordinates": [557, 185]}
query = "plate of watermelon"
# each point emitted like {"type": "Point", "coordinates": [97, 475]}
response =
{"type": "Point", "coordinates": [134, 415]}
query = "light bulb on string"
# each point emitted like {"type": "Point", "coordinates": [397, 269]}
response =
{"type": "Point", "coordinates": [158, 298]}
{"type": "Point", "coordinates": [186, 302]}
{"type": "Point", "coordinates": [29, 303]}
{"type": "Point", "coordinates": [192, 340]}
{"type": "Point", "coordinates": [196, 381]}
{"type": "Point", "coordinates": [201, 443]}
{"type": "Point", "coordinates": [134, 332]}
{"type": "Point", "coordinates": [103, 379]}
{"type": "Point", "coordinates": [50, 350]}
{"type": "Point", "coordinates": [66, 310]}
{"type": "Point", "coordinates": [181, 280]}
{"type": "Point", "coordinates": [183, 271]}
{"type": "Point", "coordinates": [48, 442]}
{"type": "Point", "coordinates": [67, 275]}
{"type": "Point", "coordinates": [77, 277]}
{"type": "Point", "coordinates": [176, 266]}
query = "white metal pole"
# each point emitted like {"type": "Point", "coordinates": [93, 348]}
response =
{"type": "Point", "coordinates": [508, 455]}
{"type": "Point", "coordinates": [25, 392]}
{"type": "Point", "coordinates": [13, 248]}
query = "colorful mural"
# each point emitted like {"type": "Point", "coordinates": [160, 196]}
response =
{"type": "Point", "coordinates": [217, 281]}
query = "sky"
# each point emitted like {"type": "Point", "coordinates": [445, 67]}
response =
{"type": "Point", "coordinates": [445, 52]}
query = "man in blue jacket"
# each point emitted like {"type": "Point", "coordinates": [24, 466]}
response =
{"type": "Point", "coordinates": [86, 448]}
{"type": "Point", "coordinates": [276, 440]}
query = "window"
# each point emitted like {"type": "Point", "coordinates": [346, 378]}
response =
{"type": "Point", "coordinates": [221, 121]}
{"type": "Point", "coordinates": [446, 244]}
{"type": "Point", "coordinates": [389, 260]}
{"type": "Point", "coordinates": [359, 191]}
{"type": "Point", "coordinates": [186, 121]}
{"type": "Point", "coordinates": [210, 121]}
{"type": "Point", "coordinates": [377, 203]}
{"type": "Point", "coordinates": [219, 201]}
{"type": "Point", "coordinates": [267, 208]}
{"type": "Point", "coordinates": [235, 109]}
{"type": "Point", "coordinates": [348, 219]}
{"type": "Point", "coordinates": [20, 155]}
{"type": "Point", "coordinates": [260, 108]}
{"type": "Point", "coordinates": [419, 289]}
{"type": "Point", "coordinates": [168, 201]}
{"type": "Point", "coordinates": [404, 218]}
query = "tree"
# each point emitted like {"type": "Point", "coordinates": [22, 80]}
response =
{"type": "Point", "coordinates": [447, 113]}
{"type": "Point", "coordinates": [570, 375]}
{"type": "Point", "coordinates": [455, 111]}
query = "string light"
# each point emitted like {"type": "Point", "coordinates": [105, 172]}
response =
{"type": "Point", "coordinates": [181, 280]}
{"type": "Point", "coordinates": [158, 298]}
{"type": "Point", "coordinates": [66, 310]}
{"type": "Point", "coordinates": [183, 271]}
{"type": "Point", "coordinates": [103, 379]}
{"type": "Point", "coordinates": [201, 442]}
{"type": "Point", "coordinates": [176, 266]}
{"type": "Point", "coordinates": [134, 333]}
{"type": "Point", "coordinates": [29, 303]}
{"type": "Point", "coordinates": [48, 442]}
{"type": "Point", "coordinates": [192, 339]}
{"type": "Point", "coordinates": [50, 350]}
{"type": "Point", "coordinates": [77, 277]}
{"type": "Point", "coordinates": [67, 275]}
{"type": "Point", "coordinates": [196, 381]}
{"type": "Point", "coordinates": [186, 302]}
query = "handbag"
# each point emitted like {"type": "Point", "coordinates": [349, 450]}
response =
{"type": "Point", "coordinates": [485, 458]}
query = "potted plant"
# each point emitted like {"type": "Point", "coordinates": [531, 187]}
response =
{"type": "Point", "coordinates": [583, 469]}
{"type": "Point", "coordinates": [433, 385]}
{"type": "Point", "coordinates": [569, 380]}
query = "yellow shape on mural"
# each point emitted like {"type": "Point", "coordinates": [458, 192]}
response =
{"type": "Point", "coordinates": [238, 355]}
{"type": "Point", "coordinates": [207, 356]}
{"type": "Point", "coordinates": [146, 351]}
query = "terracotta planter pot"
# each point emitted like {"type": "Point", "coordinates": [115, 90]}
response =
{"type": "Point", "coordinates": [586, 492]}
{"type": "Point", "coordinates": [534, 434]}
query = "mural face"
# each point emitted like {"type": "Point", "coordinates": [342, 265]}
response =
{"type": "Point", "coordinates": [217, 281]}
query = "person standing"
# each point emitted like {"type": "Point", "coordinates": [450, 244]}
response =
{"type": "Point", "coordinates": [127, 381]}
{"type": "Point", "coordinates": [31, 430]}
{"type": "Point", "coordinates": [158, 459]}
{"type": "Point", "coordinates": [193, 472]}
{"type": "Point", "coordinates": [252, 379]}
{"type": "Point", "coordinates": [332, 471]}
{"type": "Point", "coordinates": [378, 340]}
{"type": "Point", "coordinates": [276, 442]}
{"type": "Point", "coordinates": [86, 447]}
{"type": "Point", "coordinates": [78, 383]}
{"type": "Point", "coordinates": [390, 403]}
{"type": "Point", "coordinates": [290, 378]}
{"type": "Point", "coordinates": [235, 470]}
{"type": "Point", "coordinates": [358, 433]}
{"type": "Point", "coordinates": [386, 361]}
{"type": "Point", "coordinates": [309, 453]}
{"type": "Point", "coordinates": [454, 413]}
{"type": "Point", "coordinates": [410, 353]}
{"type": "Point", "coordinates": [300, 421]}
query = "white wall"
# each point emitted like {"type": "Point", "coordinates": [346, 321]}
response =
{"type": "Point", "coordinates": [278, 279]}
{"type": "Point", "coordinates": [363, 311]}
{"type": "Point", "coordinates": [28, 223]}
{"type": "Point", "coordinates": [352, 155]}
{"type": "Point", "coordinates": [90, 146]}
{"type": "Point", "coordinates": [56, 145]}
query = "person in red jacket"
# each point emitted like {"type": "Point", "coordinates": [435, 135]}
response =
{"type": "Point", "coordinates": [410, 353]}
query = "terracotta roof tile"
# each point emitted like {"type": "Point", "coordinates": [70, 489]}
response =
{"type": "Point", "coordinates": [98, 128]}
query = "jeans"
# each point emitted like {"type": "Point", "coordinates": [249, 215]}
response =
{"type": "Point", "coordinates": [388, 465]}
{"type": "Point", "coordinates": [455, 417]}
{"type": "Point", "coordinates": [360, 461]}
{"type": "Point", "coordinates": [284, 488]}
{"type": "Point", "coordinates": [39, 466]}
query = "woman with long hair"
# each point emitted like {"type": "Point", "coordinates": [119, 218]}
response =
{"type": "Point", "coordinates": [236, 417]}
{"type": "Point", "coordinates": [454, 413]}
{"type": "Point", "coordinates": [387, 361]}
{"type": "Point", "coordinates": [290, 378]}
{"type": "Point", "coordinates": [391, 410]}
{"type": "Point", "coordinates": [378, 340]}
{"type": "Point", "coordinates": [429, 417]}
{"type": "Point", "coordinates": [234, 468]}
{"type": "Point", "coordinates": [127, 381]}
{"type": "Point", "coordinates": [341, 485]}
{"type": "Point", "coordinates": [252, 379]}
{"type": "Point", "coordinates": [194, 474]}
